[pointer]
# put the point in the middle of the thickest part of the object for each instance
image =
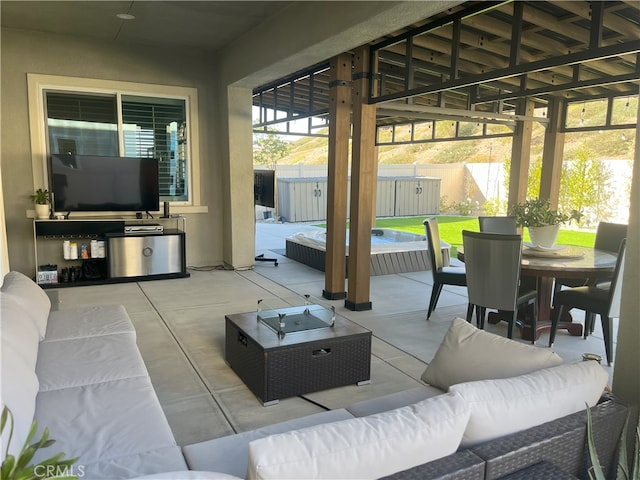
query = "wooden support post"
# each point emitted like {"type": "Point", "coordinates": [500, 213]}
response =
{"type": "Point", "coordinates": [363, 184]}
{"type": "Point", "coordinates": [520, 155]}
{"type": "Point", "coordinates": [552, 153]}
{"type": "Point", "coordinates": [339, 132]}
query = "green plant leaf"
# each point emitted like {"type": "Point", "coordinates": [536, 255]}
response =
{"type": "Point", "coordinates": [622, 469]}
{"type": "Point", "coordinates": [636, 455]}
{"type": "Point", "coordinates": [595, 471]}
{"type": "Point", "coordinates": [7, 466]}
{"type": "Point", "coordinates": [26, 474]}
{"type": "Point", "coordinates": [3, 418]}
{"type": "Point", "coordinates": [18, 468]}
{"type": "Point", "coordinates": [6, 414]}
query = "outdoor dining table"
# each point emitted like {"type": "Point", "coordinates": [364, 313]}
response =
{"type": "Point", "coordinates": [562, 261]}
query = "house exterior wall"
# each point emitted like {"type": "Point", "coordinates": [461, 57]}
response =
{"type": "Point", "coordinates": [27, 52]}
{"type": "Point", "coordinates": [224, 233]}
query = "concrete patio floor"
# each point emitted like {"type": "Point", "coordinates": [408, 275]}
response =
{"type": "Point", "coordinates": [180, 332]}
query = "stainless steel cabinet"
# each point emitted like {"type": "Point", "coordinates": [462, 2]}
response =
{"type": "Point", "coordinates": [144, 255]}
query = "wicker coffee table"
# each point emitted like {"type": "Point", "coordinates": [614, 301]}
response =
{"type": "Point", "coordinates": [277, 366]}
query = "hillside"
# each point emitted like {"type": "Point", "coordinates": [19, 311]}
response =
{"type": "Point", "coordinates": [607, 145]}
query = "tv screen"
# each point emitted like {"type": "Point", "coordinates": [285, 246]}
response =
{"type": "Point", "coordinates": [264, 187]}
{"type": "Point", "coordinates": [91, 183]}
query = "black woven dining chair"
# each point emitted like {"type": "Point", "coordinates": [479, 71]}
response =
{"type": "Point", "coordinates": [441, 275]}
{"type": "Point", "coordinates": [594, 301]}
{"type": "Point", "coordinates": [492, 262]}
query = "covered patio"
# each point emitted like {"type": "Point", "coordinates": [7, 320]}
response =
{"type": "Point", "coordinates": [489, 69]}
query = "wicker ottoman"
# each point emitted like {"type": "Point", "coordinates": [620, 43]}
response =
{"type": "Point", "coordinates": [301, 362]}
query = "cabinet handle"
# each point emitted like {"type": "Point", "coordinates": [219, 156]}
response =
{"type": "Point", "coordinates": [147, 251]}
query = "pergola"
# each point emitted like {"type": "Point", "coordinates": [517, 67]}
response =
{"type": "Point", "coordinates": [490, 69]}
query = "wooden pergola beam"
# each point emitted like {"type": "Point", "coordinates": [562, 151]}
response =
{"type": "Point", "coordinates": [363, 184]}
{"type": "Point", "coordinates": [337, 170]}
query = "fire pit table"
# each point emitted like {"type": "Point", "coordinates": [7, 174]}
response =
{"type": "Point", "coordinates": [296, 350]}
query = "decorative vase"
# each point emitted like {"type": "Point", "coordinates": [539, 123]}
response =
{"type": "Point", "coordinates": [42, 211]}
{"type": "Point", "coordinates": [545, 236]}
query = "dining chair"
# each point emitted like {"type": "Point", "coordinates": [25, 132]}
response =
{"type": "Point", "coordinates": [609, 236]}
{"type": "Point", "coordinates": [492, 262]}
{"type": "Point", "coordinates": [594, 300]}
{"type": "Point", "coordinates": [442, 275]}
{"type": "Point", "coordinates": [506, 225]}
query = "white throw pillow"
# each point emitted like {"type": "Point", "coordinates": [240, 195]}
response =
{"type": "Point", "coordinates": [509, 405]}
{"type": "Point", "coordinates": [467, 354]}
{"type": "Point", "coordinates": [31, 298]}
{"type": "Point", "coordinates": [364, 447]}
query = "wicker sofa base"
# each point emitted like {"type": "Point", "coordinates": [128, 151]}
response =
{"type": "Point", "coordinates": [561, 442]}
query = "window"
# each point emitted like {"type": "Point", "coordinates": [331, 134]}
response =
{"type": "Point", "coordinates": [87, 124]}
{"type": "Point", "coordinates": [112, 118]}
{"type": "Point", "coordinates": [157, 128]}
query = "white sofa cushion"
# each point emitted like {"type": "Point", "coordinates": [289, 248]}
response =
{"type": "Point", "coordinates": [400, 399]}
{"type": "Point", "coordinates": [30, 296]}
{"type": "Point", "coordinates": [150, 463]}
{"type": "Point", "coordinates": [104, 421]}
{"type": "Point", "coordinates": [365, 447]}
{"type": "Point", "coordinates": [19, 389]}
{"type": "Point", "coordinates": [90, 360]}
{"type": "Point", "coordinates": [467, 354]}
{"type": "Point", "coordinates": [509, 405]}
{"type": "Point", "coordinates": [18, 330]}
{"type": "Point", "coordinates": [229, 454]}
{"type": "Point", "coordinates": [88, 322]}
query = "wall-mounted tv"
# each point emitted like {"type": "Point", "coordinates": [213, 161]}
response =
{"type": "Point", "coordinates": [91, 183]}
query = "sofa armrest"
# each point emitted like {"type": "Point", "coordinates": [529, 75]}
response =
{"type": "Point", "coordinates": [462, 465]}
{"type": "Point", "coordinates": [561, 442]}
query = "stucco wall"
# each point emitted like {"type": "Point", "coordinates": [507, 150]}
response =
{"type": "Point", "coordinates": [25, 52]}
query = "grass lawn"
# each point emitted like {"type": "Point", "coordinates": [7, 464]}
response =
{"type": "Point", "coordinates": [451, 229]}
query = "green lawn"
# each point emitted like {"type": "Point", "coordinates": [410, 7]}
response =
{"type": "Point", "coordinates": [451, 229]}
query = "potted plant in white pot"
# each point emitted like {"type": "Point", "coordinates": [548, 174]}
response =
{"type": "Point", "coordinates": [541, 220]}
{"type": "Point", "coordinates": [42, 198]}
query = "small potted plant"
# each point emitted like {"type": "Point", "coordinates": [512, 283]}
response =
{"type": "Point", "coordinates": [41, 199]}
{"type": "Point", "coordinates": [542, 221]}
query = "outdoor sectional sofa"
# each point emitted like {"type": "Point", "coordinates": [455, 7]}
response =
{"type": "Point", "coordinates": [490, 407]}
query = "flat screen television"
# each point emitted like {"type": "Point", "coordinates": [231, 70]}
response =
{"type": "Point", "coordinates": [91, 183]}
{"type": "Point", "coordinates": [264, 187]}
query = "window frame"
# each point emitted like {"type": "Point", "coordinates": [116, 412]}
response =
{"type": "Point", "coordinates": [38, 84]}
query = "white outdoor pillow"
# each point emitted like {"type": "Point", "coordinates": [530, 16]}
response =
{"type": "Point", "coordinates": [509, 405]}
{"type": "Point", "coordinates": [467, 354]}
{"type": "Point", "coordinates": [31, 298]}
{"type": "Point", "coordinates": [364, 447]}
